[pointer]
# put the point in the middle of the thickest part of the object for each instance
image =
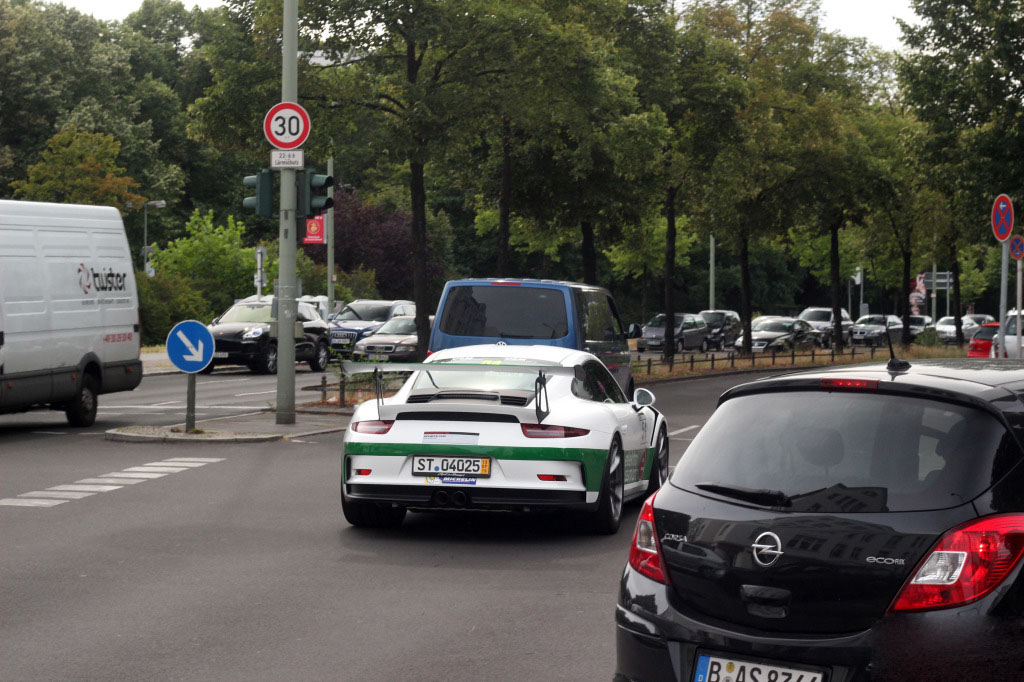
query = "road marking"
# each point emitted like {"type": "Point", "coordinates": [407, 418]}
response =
{"type": "Point", "coordinates": [172, 407]}
{"type": "Point", "coordinates": [133, 475]}
{"type": "Point", "coordinates": [93, 433]}
{"type": "Point", "coordinates": [51, 433]}
{"type": "Point", "coordinates": [165, 470]}
{"type": "Point", "coordinates": [28, 502]}
{"type": "Point", "coordinates": [60, 494]}
{"type": "Point", "coordinates": [177, 464]}
{"type": "Point", "coordinates": [118, 481]}
{"type": "Point", "coordinates": [204, 460]}
{"type": "Point", "coordinates": [684, 430]}
{"type": "Point", "coordinates": [169, 402]}
{"type": "Point", "coordinates": [88, 488]}
{"type": "Point", "coordinates": [239, 395]}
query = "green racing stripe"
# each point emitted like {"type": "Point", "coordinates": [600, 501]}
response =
{"type": "Point", "coordinates": [593, 460]}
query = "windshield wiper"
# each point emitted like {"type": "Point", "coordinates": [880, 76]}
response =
{"type": "Point", "coordinates": [514, 336]}
{"type": "Point", "coordinates": [761, 496]}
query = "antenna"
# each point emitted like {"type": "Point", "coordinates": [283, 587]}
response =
{"type": "Point", "coordinates": [895, 364]}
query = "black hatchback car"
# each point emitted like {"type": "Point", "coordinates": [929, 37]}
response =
{"type": "Point", "coordinates": [838, 526]}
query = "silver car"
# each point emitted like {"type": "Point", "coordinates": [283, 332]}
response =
{"type": "Point", "coordinates": [946, 328]}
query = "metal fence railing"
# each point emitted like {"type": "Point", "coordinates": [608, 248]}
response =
{"type": "Point", "coordinates": [697, 362]}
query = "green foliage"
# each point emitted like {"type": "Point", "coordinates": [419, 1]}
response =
{"type": "Point", "coordinates": [928, 337]}
{"type": "Point", "coordinates": [164, 300]}
{"type": "Point", "coordinates": [80, 168]}
{"type": "Point", "coordinates": [212, 259]}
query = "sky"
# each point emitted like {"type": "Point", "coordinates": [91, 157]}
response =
{"type": "Point", "coordinates": [871, 19]}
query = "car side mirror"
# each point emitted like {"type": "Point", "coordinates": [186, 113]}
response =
{"type": "Point", "coordinates": [634, 331]}
{"type": "Point", "coordinates": [216, 321]}
{"type": "Point", "coordinates": [580, 373]}
{"type": "Point", "coordinates": [643, 397]}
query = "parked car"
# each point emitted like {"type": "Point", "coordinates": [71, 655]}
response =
{"type": "Point", "coordinates": [1010, 340]}
{"type": "Point", "coordinates": [69, 309]}
{"type": "Point", "coordinates": [872, 330]}
{"type": "Point", "coordinates": [772, 332]}
{"type": "Point", "coordinates": [497, 427]}
{"type": "Point", "coordinates": [523, 312]}
{"type": "Point", "coordinates": [821, 319]}
{"type": "Point", "coordinates": [724, 327]}
{"type": "Point", "coordinates": [918, 323]}
{"type": "Point", "coordinates": [363, 317]}
{"type": "Point", "coordinates": [946, 328]}
{"type": "Point", "coordinates": [246, 335]}
{"type": "Point", "coordinates": [981, 318]}
{"type": "Point", "coordinates": [980, 345]}
{"type": "Point", "coordinates": [396, 340]}
{"type": "Point", "coordinates": [853, 524]}
{"type": "Point", "coordinates": [691, 333]}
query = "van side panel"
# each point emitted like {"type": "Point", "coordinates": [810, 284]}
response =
{"type": "Point", "coordinates": [69, 302]}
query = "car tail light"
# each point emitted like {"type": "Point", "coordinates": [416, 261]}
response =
{"type": "Point", "coordinates": [377, 427]}
{"type": "Point", "coordinates": [506, 284]}
{"type": "Point", "coordinates": [645, 552]}
{"type": "Point", "coordinates": [850, 384]}
{"type": "Point", "coordinates": [551, 431]}
{"type": "Point", "coordinates": [973, 345]}
{"type": "Point", "coordinates": [551, 477]}
{"type": "Point", "coordinates": [363, 472]}
{"type": "Point", "coordinates": [967, 563]}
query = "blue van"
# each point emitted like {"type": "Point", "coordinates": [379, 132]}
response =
{"type": "Point", "coordinates": [533, 312]}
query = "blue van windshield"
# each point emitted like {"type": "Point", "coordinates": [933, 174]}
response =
{"type": "Point", "coordinates": [508, 312]}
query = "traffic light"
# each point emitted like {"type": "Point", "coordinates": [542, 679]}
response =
{"type": "Point", "coordinates": [314, 192]}
{"type": "Point", "coordinates": [263, 202]}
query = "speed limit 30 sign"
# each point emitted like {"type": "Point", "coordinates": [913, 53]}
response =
{"type": "Point", "coordinates": [286, 125]}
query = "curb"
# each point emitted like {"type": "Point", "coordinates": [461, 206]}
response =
{"type": "Point", "coordinates": [213, 437]}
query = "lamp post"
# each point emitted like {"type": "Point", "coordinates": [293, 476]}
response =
{"type": "Point", "coordinates": [158, 203]}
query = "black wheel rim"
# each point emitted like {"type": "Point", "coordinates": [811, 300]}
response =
{"type": "Point", "coordinates": [662, 459]}
{"type": "Point", "coordinates": [321, 356]}
{"type": "Point", "coordinates": [88, 401]}
{"type": "Point", "coordinates": [615, 482]}
{"type": "Point", "coordinates": [271, 359]}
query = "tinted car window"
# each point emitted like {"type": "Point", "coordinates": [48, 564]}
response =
{"type": "Point", "coordinates": [398, 325]}
{"type": "Point", "coordinates": [713, 318]}
{"type": "Point", "coordinates": [989, 333]}
{"type": "Point", "coordinates": [510, 312]}
{"type": "Point", "coordinates": [849, 452]}
{"type": "Point", "coordinates": [373, 312]}
{"type": "Point", "coordinates": [816, 315]}
{"type": "Point", "coordinates": [596, 317]}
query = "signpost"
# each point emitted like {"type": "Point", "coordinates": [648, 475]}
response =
{"type": "Point", "coordinates": [314, 230]}
{"type": "Point", "coordinates": [1002, 227]}
{"type": "Point", "coordinates": [1017, 253]}
{"type": "Point", "coordinates": [190, 349]}
{"type": "Point", "coordinates": [260, 279]}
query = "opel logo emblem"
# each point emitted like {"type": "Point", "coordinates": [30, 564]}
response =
{"type": "Point", "coordinates": [767, 549]}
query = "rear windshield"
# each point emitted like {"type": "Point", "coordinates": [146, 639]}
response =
{"type": "Point", "coordinates": [713, 318]}
{"type": "Point", "coordinates": [509, 312]}
{"type": "Point", "coordinates": [848, 452]}
{"type": "Point", "coordinates": [816, 315]}
{"type": "Point", "coordinates": [989, 333]}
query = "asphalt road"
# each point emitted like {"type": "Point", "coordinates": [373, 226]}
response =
{"type": "Point", "coordinates": [237, 564]}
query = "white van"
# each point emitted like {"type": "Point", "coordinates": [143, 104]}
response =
{"type": "Point", "coordinates": [69, 311]}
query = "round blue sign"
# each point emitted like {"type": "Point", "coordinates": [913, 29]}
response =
{"type": "Point", "coordinates": [190, 346]}
{"type": "Point", "coordinates": [1017, 246]}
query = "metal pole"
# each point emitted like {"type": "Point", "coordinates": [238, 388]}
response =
{"type": "Point", "coordinates": [1019, 291]}
{"type": "Point", "coordinates": [145, 224]}
{"type": "Point", "coordinates": [711, 285]}
{"type": "Point", "coordinates": [861, 306]}
{"type": "Point", "coordinates": [1004, 275]}
{"type": "Point", "coordinates": [190, 404]}
{"type": "Point", "coordinates": [329, 228]}
{"type": "Point", "coordinates": [286, 228]}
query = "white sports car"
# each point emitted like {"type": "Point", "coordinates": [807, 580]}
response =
{"type": "Point", "coordinates": [505, 428]}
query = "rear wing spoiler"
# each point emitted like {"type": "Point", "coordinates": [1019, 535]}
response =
{"type": "Point", "coordinates": [540, 386]}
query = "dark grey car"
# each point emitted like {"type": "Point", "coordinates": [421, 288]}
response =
{"type": "Point", "coordinates": [691, 333]}
{"type": "Point", "coordinates": [871, 330]}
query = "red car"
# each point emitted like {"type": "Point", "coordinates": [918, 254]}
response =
{"type": "Point", "coordinates": [981, 342]}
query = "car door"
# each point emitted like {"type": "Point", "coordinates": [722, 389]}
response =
{"type": "Point", "coordinates": [304, 344]}
{"type": "Point", "coordinates": [632, 424]}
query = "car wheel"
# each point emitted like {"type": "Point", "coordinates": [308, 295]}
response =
{"type": "Point", "coordinates": [371, 514]}
{"type": "Point", "coordinates": [826, 342]}
{"type": "Point", "coordinates": [319, 361]}
{"type": "Point", "coordinates": [608, 515]}
{"type": "Point", "coordinates": [82, 410]}
{"type": "Point", "coordinates": [208, 369]}
{"type": "Point", "coordinates": [267, 363]}
{"type": "Point", "coordinates": [659, 468]}
{"type": "Point", "coordinates": [704, 345]}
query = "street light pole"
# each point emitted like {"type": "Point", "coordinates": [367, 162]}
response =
{"type": "Point", "coordinates": [157, 203]}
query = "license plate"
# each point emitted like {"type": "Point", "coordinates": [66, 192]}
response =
{"type": "Point", "coordinates": [719, 669]}
{"type": "Point", "coordinates": [341, 340]}
{"type": "Point", "coordinates": [378, 356]}
{"type": "Point", "coordinates": [220, 354]}
{"type": "Point", "coordinates": [436, 465]}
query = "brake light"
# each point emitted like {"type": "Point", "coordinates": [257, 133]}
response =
{"type": "Point", "coordinates": [551, 477]}
{"type": "Point", "coordinates": [506, 284]}
{"type": "Point", "coordinates": [377, 427]}
{"type": "Point", "coordinates": [363, 472]}
{"type": "Point", "coordinates": [645, 552]}
{"type": "Point", "coordinates": [551, 431]}
{"type": "Point", "coordinates": [850, 384]}
{"type": "Point", "coordinates": [966, 564]}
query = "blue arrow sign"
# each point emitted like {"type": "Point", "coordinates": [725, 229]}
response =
{"type": "Point", "coordinates": [190, 346]}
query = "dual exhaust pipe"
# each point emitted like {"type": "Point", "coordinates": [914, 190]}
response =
{"type": "Point", "coordinates": [457, 499]}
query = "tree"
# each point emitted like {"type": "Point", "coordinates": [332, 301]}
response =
{"type": "Point", "coordinates": [80, 168]}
